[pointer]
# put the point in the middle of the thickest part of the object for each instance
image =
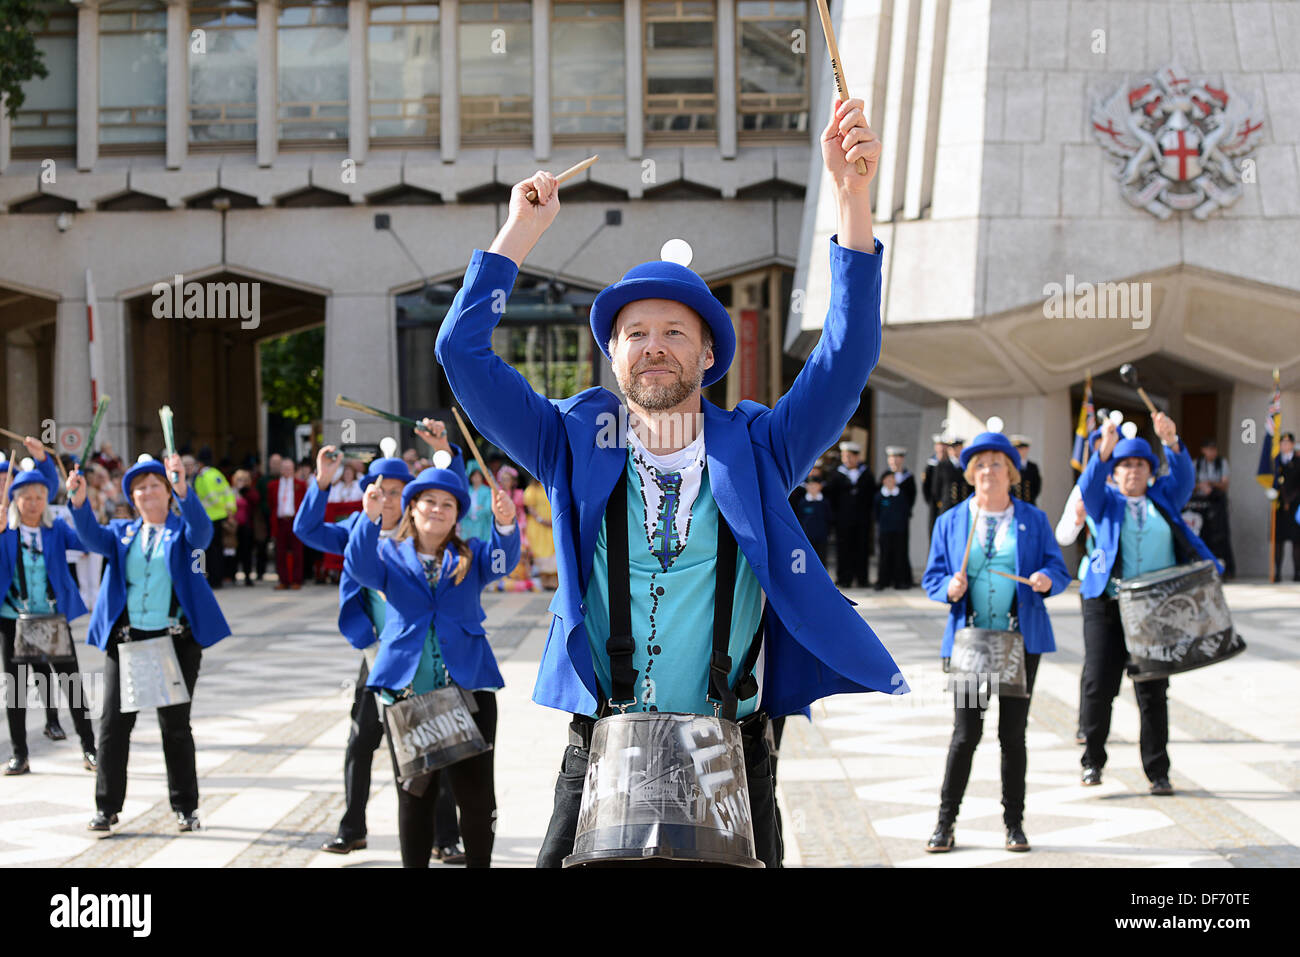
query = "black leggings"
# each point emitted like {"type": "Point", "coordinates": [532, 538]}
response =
{"type": "Point", "coordinates": [475, 792]}
{"type": "Point", "coordinates": [967, 728]}
{"type": "Point", "coordinates": [17, 714]}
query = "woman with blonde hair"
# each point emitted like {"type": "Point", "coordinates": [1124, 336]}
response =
{"type": "Point", "coordinates": [1008, 537]}
{"type": "Point", "coordinates": [433, 637]}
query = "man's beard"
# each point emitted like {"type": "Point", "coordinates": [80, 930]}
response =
{"type": "Point", "coordinates": [663, 396]}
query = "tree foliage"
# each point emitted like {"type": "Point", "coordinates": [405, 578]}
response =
{"type": "Point", "coordinates": [293, 374]}
{"type": "Point", "coordinates": [20, 60]}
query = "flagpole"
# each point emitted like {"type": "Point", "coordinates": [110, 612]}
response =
{"type": "Point", "coordinates": [1272, 506]}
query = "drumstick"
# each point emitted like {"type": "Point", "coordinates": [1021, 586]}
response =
{"type": "Point", "coordinates": [344, 402]}
{"type": "Point", "coordinates": [1147, 399]}
{"type": "Point", "coordinates": [473, 447]}
{"type": "Point", "coordinates": [568, 174]}
{"type": "Point", "coordinates": [20, 438]}
{"type": "Point", "coordinates": [57, 461]}
{"type": "Point", "coordinates": [836, 69]}
{"type": "Point", "coordinates": [1023, 581]}
{"type": "Point", "coordinates": [974, 520]}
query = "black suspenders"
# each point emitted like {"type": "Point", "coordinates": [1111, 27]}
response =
{"type": "Point", "coordinates": [621, 645]}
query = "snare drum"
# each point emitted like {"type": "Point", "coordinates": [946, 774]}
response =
{"type": "Point", "coordinates": [665, 788]}
{"type": "Point", "coordinates": [433, 730]}
{"type": "Point", "coordinates": [149, 674]}
{"type": "Point", "coordinates": [1176, 620]}
{"type": "Point", "coordinates": [42, 639]}
{"type": "Point", "coordinates": [980, 653]}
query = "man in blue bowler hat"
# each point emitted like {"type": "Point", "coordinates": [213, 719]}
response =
{"type": "Point", "coordinates": [702, 491]}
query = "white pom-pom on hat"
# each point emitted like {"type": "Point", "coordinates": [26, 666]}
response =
{"type": "Point", "coordinates": [1116, 416]}
{"type": "Point", "coordinates": [677, 251]}
{"type": "Point", "coordinates": [27, 464]}
{"type": "Point", "coordinates": [388, 446]}
{"type": "Point", "coordinates": [144, 457]}
{"type": "Point", "coordinates": [441, 459]}
{"type": "Point", "coordinates": [1129, 430]}
{"type": "Point", "coordinates": [994, 424]}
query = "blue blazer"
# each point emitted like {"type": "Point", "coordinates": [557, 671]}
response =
{"type": "Point", "coordinates": [816, 644]}
{"type": "Point", "coordinates": [1036, 551]}
{"type": "Point", "coordinates": [55, 543]}
{"type": "Point", "coordinates": [455, 611]}
{"type": "Point", "coordinates": [1106, 505]}
{"type": "Point", "coordinates": [310, 526]}
{"type": "Point", "coordinates": [187, 533]}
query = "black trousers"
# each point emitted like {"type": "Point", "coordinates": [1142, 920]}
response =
{"type": "Point", "coordinates": [851, 555]}
{"type": "Point", "coordinates": [1105, 657]}
{"type": "Point", "coordinates": [173, 721]}
{"type": "Point", "coordinates": [894, 568]}
{"type": "Point", "coordinates": [560, 835]}
{"type": "Point", "coordinates": [214, 559]}
{"type": "Point", "coordinates": [244, 551]}
{"type": "Point", "coordinates": [1285, 531]}
{"type": "Point", "coordinates": [50, 676]}
{"type": "Point", "coordinates": [967, 728]}
{"type": "Point", "coordinates": [474, 789]}
{"type": "Point", "coordinates": [260, 554]}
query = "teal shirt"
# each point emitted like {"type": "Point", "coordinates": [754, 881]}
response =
{"type": "Point", "coordinates": [672, 611]}
{"type": "Point", "coordinates": [38, 599]}
{"type": "Point", "coordinates": [148, 583]}
{"type": "Point", "coordinates": [1143, 549]}
{"type": "Point", "coordinates": [376, 608]}
{"type": "Point", "coordinates": [990, 595]}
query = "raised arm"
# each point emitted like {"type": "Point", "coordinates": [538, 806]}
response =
{"type": "Point", "coordinates": [309, 522]}
{"type": "Point", "coordinates": [809, 418]}
{"type": "Point", "coordinates": [499, 401]}
{"type": "Point", "coordinates": [1071, 522]}
{"type": "Point", "coordinates": [94, 537]}
{"type": "Point", "coordinates": [361, 555]}
{"type": "Point", "coordinates": [198, 527]}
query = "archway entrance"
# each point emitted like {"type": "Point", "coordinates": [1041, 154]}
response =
{"type": "Point", "coordinates": [27, 324]}
{"type": "Point", "coordinates": [208, 367]}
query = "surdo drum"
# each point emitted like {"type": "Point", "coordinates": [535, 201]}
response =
{"type": "Point", "coordinates": [665, 788]}
{"type": "Point", "coordinates": [979, 655]}
{"type": "Point", "coordinates": [433, 730]}
{"type": "Point", "coordinates": [1176, 620]}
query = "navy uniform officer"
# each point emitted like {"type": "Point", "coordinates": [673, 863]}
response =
{"type": "Point", "coordinates": [433, 634]}
{"type": "Point", "coordinates": [685, 470]}
{"type": "Point", "coordinates": [152, 586]}
{"type": "Point", "coordinates": [34, 578]}
{"type": "Point", "coordinates": [1139, 529]}
{"type": "Point", "coordinates": [1013, 537]}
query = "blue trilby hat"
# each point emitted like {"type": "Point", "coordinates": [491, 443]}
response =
{"type": "Point", "coordinates": [1135, 449]}
{"type": "Point", "coordinates": [990, 442]}
{"type": "Point", "coordinates": [449, 480]}
{"type": "Point", "coordinates": [145, 467]}
{"type": "Point", "coordinates": [386, 468]}
{"type": "Point", "coordinates": [33, 477]}
{"type": "Point", "coordinates": [666, 280]}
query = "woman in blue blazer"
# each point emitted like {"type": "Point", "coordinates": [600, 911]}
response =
{"type": "Point", "coordinates": [34, 578]}
{"type": "Point", "coordinates": [153, 585]}
{"type": "Point", "coordinates": [1014, 537]}
{"type": "Point", "coordinates": [433, 635]}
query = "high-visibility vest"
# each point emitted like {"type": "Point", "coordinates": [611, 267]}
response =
{"type": "Point", "coordinates": [215, 493]}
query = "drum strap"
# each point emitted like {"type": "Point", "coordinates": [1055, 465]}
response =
{"type": "Point", "coordinates": [620, 646]}
{"type": "Point", "coordinates": [22, 580]}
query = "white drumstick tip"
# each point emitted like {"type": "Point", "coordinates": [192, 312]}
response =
{"type": "Point", "coordinates": [1116, 416]}
{"type": "Point", "coordinates": [1129, 430]}
{"type": "Point", "coordinates": [441, 459]}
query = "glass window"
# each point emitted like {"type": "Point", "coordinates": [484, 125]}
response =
{"type": "Point", "coordinates": [133, 72]}
{"type": "Point", "coordinates": [48, 116]}
{"type": "Point", "coordinates": [496, 71]}
{"type": "Point", "coordinates": [772, 65]}
{"type": "Point", "coordinates": [680, 67]}
{"type": "Point", "coordinates": [403, 43]}
{"type": "Point", "coordinates": [313, 70]}
{"type": "Point", "coordinates": [223, 72]}
{"type": "Point", "coordinates": [587, 72]}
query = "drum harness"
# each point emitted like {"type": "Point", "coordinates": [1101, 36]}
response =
{"type": "Point", "coordinates": [621, 645]}
{"type": "Point", "coordinates": [21, 582]}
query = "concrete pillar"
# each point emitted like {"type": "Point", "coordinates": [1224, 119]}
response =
{"type": "Point", "coordinates": [267, 77]}
{"type": "Point", "coordinates": [114, 335]}
{"type": "Point", "coordinates": [932, 40]}
{"type": "Point", "coordinates": [22, 383]}
{"type": "Point", "coordinates": [87, 84]}
{"type": "Point", "coordinates": [633, 56]}
{"type": "Point", "coordinates": [358, 94]}
{"type": "Point", "coordinates": [727, 97]}
{"type": "Point", "coordinates": [178, 68]}
{"type": "Point", "coordinates": [897, 121]}
{"type": "Point", "coordinates": [449, 111]}
{"type": "Point", "coordinates": [5, 126]}
{"type": "Point", "coordinates": [360, 334]}
{"type": "Point", "coordinates": [542, 79]}
{"type": "Point", "coordinates": [72, 409]}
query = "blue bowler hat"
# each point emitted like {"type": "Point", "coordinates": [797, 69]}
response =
{"type": "Point", "coordinates": [446, 479]}
{"type": "Point", "coordinates": [666, 280]}
{"type": "Point", "coordinates": [1135, 449]}
{"type": "Point", "coordinates": [990, 442]}
{"type": "Point", "coordinates": [145, 466]}
{"type": "Point", "coordinates": [386, 468]}
{"type": "Point", "coordinates": [32, 477]}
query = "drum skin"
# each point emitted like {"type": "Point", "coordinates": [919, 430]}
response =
{"type": "Point", "coordinates": [1176, 620]}
{"type": "Point", "coordinates": [150, 674]}
{"type": "Point", "coordinates": [665, 788]}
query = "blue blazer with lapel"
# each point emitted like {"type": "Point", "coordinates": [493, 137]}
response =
{"type": "Point", "coordinates": [1106, 505]}
{"type": "Point", "coordinates": [455, 611]}
{"type": "Point", "coordinates": [186, 534]}
{"type": "Point", "coordinates": [310, 526]}
{"type": "Point", "coordinates": [55, 542]}
{"type": "Point", "coordinates": [1036, 551]}
{"type": "Point", "coordinates": [816, 644]}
